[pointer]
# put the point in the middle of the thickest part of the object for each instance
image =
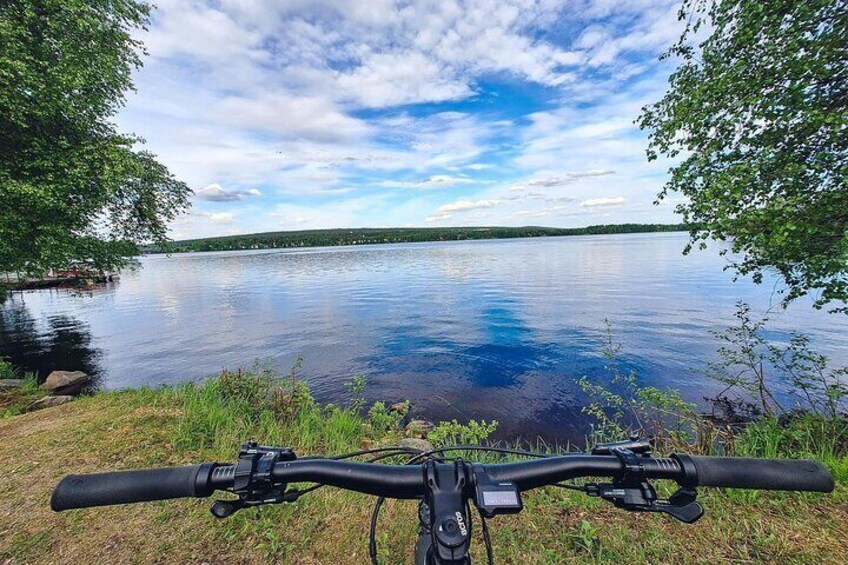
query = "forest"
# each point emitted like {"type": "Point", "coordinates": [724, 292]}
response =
{"type": "Point", "coordinates": [368, 236]}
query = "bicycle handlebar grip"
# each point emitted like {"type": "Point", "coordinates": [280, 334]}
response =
{"type": "Point", "coordinates": [765, 474]}
{"type": "Point", "coordinates": [122, 487]}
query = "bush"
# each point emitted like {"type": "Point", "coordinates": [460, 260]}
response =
{"type": "Point", "coordinates": [356, 389]}
{"type": "Point", "coordinates": [745, 425]}
{"type": "Point", "coordinates": [383, 420]}
{"type": "Point", "coordinates": [453, 433]}
{"type": "Point", "coordinates": [291, 395]}
{"type": "Point", "coordinates": [751, 366]}
{"type": "Point", "coordinates": [625, 408]}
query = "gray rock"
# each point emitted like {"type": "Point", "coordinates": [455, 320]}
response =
{"type": "Point", "coordinates": [65, 382]}
{"type": "Point", "coordinates": [416, 443]}
{"type": "Point", "coordinates": [50, 402]}
{"type": "Point", "coordinates": [8, 384]}
{"type": "Point", "coordinates": [419, 428]}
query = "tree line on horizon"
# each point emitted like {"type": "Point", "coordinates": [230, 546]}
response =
{"type": "Point", "coordinates": [368, 236]}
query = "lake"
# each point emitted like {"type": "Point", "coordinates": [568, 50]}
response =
{"type": "Point", "coordinates": [498, 329]}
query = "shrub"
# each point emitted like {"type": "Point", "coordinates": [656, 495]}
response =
{"type": "Point", "coordinates": [356, 388]}
{"type": "Point", "coordinates": [751, 366]}
{"type": "Point", "coordinates": [744, 425]}
{"type": "Point", "coordinates": [453, 433]}
{"type": "Point", "coordinates": [383, 420]}
{"type": "Point", "coordinates": [625, 408]}
{"type": "Point", "coordinates": [291, 394]}
{"type": "Point", "coordinates": [253, 388]}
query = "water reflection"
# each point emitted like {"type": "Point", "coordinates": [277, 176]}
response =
{"type": "Point", "coordinates": [485, 329]}
{"type": "Point", "coordinates": [56, 342]}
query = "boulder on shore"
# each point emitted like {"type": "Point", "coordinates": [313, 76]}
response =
{"type": "Point", "coordinates": [417, 444]}
{"type": "Point", "coordinates": [65, 382]}
{"type": "Point", "coordinates": [50, 401]}
{"type": "Point", "coordinates": [9, 384]}
{"type": "Point", "coordinates": [419, 428]}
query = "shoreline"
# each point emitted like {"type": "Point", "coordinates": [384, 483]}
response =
{"type": "Point", "coordinates": [344, 237]}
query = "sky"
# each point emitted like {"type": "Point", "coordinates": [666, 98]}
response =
{"type": "Point", "coordinates": [301, 114]}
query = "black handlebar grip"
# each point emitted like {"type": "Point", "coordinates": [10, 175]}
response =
{"type": "Point", "coordinates": [765, 474]}
{"type": "Point", "coordinates": [101, 489]}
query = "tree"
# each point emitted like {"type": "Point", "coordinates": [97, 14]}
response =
{"type": "Point", "coordinates": [757, 113]}
{"type": "Point", "coordinates": [71, 187]}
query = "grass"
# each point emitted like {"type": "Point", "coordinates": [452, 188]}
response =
{"type": "Point", "coordinates": [207, 421]}
{"type": "Point", "coordinates": [15, 401]}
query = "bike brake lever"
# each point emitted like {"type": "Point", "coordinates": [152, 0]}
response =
{"type": "Point", "coordinates": [680, 506]}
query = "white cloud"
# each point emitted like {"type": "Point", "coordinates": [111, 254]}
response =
{"type": "Point", "coordinates": [447, 210]}
{"type": "Point", "coordinates": [222, 217]}
{"type": "Point", "coordinates": [312, 118]}
{"type": "Point", "coordinates": [317, 102]}
{"type": "Point", "coordinates": [605, 201]}
{"type": "Point", "coordinates": [435, 181]}
{"type": "Point", "coordinates": [390, 79]}
{"type": "Point", "coordinates": [216, 193]}
{"type": "Point", "coordinates": [559, 180]}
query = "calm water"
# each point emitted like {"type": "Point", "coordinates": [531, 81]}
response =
{"type": "Point", "coordinates": [485, 329]}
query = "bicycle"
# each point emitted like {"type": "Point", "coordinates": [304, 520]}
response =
{"type": "Point", "coordinates": [446, 486]}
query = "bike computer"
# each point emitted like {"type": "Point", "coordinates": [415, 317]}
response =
{"type": "Point", "coordinates": [495, 497]}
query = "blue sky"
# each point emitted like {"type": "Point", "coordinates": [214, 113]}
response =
{"type": "Point", "coordinates": [311, 114]}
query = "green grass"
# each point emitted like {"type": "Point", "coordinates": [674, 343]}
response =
{"type": "Point", "coordinates": [7, 370]}
{"type": "Point", "coordinates": [15, 401]}
{"type": "Point", "coordinates": [806, 436]}
{"type": "Point", "coordinates": [207, 421]}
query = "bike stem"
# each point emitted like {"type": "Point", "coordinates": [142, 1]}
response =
{"type": "Point", "coordinates": [444, 514]}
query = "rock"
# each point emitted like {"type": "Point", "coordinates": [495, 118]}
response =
{"type": "Point", "coordinates": [50, 402]}
{"type": "Point", "coordinates": [419, 428]}
{"type": "Point", "coordinates": [416, 443]}
{"type": "Point", "coordinates": [65, 382]}
{"type": "Point", "coordinates": [8, 384]}
{"type": "Point", "coordinates": [400, 407]}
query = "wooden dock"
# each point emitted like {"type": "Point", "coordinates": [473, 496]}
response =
{"type": "Point", "coordinates": [60, 282]}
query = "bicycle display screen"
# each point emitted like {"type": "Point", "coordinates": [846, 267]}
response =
{"type": "Point", "coordinates": [495, 498]}
{"type": "Point", "coordinates": [501, 498]}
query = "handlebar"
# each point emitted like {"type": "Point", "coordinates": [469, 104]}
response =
{"type": "Point", "coordinates": [122, 487]}
{"type": "Point", "coordinates": [395, 481]}
{"type": "Point", "coordinates": [765, 474]}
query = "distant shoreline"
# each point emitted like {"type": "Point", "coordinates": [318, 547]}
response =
{"type": "Point", "coordinates": [371, 236]}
